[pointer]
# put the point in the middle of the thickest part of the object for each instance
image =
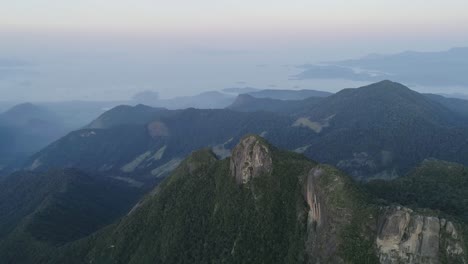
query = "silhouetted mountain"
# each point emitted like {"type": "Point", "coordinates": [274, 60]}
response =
{"type": "Point", "coordinates": [248, 103]}
{"type": "Point", "coordinates": [289, 94]}
{"type": "Point", "coordinates": [459, 106]}
{"type": "Point", "coordinates": [444, 68]}
{"type": "Point", "coordinates": [206, 100]}
{"type": "Point", "coordinates": [128, 115]}
{"type": "Point", "coordinates": [240, 90]}
{"type": "Point", "coordinates": [24, 129]}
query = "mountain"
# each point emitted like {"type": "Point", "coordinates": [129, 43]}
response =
{"type": "Point", "coordinates": [24, 129]}
{"type": "Point", "coordinates": [77, 114]}
{"type": "Point", "coordinates": [442, 68]}
{"type": "Point", "coordinates": [377, 131]}
{"type": "Point", "coordinates": [127, 115]}
{"type": "Point", "coordinates": [384, 129]}
{"type": "Point", "coordinates": [205, 100]}
{"type": "Point", "coordinates": [459, 106]}
{"type": "Point", "coordinates": [264, 205]}
{"type": "Point", "coordinates": [434, 184]}
{"type": "Point", "coordinates": [148, 143]}
{"type": "Point", "coordinates": [288, 94]}
{"type": "Point", "coordinates": [248, 103]}
{"type": "Point", "coordinates": [42, 211]}
{"type": "Point", "coordinates": [240, 90]}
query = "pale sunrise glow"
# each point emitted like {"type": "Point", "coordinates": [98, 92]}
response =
{"type": "Point", "coordinates": [111, 49]}
{"type": "Point", "coordinates": [216, 16]}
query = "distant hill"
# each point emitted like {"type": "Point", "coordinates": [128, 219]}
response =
{"type": "Point", "coordinates": [440, 68]}
{"type": "Point", "coordinates": [24, 129]}
{"type": "Point", "coordinates": [288, 94]}
{"type": "Point", "coordinates": [205, 100]}
{"type": "Point", "coordinates": [128, 115]}
{"type": "Point", "coordinates": [248, 103]}
{"type": "Point", "coordinates": [458, 106]}
{"type": "Point", "coordinates": [240, 90]}
{"type": "Point", "coordinates": [218, 100]}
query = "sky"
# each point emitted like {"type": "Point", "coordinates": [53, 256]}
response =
{"type": "Point", "coordinates": [111, 49]}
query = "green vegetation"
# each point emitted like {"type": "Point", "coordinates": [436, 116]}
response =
{"type": "Point", "coordinates": [377, 131]}
{"type": "Point", "coordinates": [435, 184]}
{"type": "Point", "coordinates": [43, 211]}
{"type": "Point", "coordinates": [200, 215]}
{"type": "Point", "coordinates": [438, 185]}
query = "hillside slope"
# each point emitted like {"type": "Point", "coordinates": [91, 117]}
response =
{"type": "Point", "coordinates": [152, 146]}
{"type": "Point", "coordinates": [377, 131]}
{"type": "Point", "coordinates": [248, 103]}
{"type": "Point", "coordinates": [39, 212]}
{"type": "Point", "coordinates": [384, 129]}
{"type": "Point", "coordinates": [264, 205]}
{"type": "Point", "coordinates": [25, 129]}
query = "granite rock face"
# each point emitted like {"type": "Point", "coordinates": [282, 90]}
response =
{"type": "Point", "coordinates": [407, 237]}
{"type": "Point", "coordinates": [312, 198]}
{"type": "Point", "coordinates": [250, 158]}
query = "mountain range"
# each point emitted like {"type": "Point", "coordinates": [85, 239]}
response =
{"type": "Point", "coordinates": [377, 131]}
{"type": "Point", "coordinates": [440, 69]}
{"type": "Point", "coordinates": [375, 174]}
{"type": "Point", "coordinates": [261, 205]}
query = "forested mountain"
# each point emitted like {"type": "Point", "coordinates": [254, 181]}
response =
{"type": "Point", "coordinates": [384, 129]}
{"type": "Point", "coordinates": [147, 143]}
{"type": "Point", "coordinates": [42, 211]}
{"type": "Point", "coordinates": [264, 205]}
{"type": "Point", "coordinates": [378, 131]}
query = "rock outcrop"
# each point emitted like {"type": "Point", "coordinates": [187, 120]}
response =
{"type": "Point", "coordinates": [327, 215]}
{"type": "Point", "coordinates": [406, 237]}
{"type": "Point", "coordinates": [311, 196]}
{"type": "Point", "coordinates": [250, 158]}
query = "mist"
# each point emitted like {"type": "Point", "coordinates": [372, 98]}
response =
{"type": "Point", "coordinates": [58, 66]}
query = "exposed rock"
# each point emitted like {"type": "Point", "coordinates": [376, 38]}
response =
{"type": "Point", "coordinates": [317, 127]}
{"type": "Point", "coordinates": [36, 164]}
{"type": "Point", "coordinates": [221, 151]}
{"type": "Point", "coordinates": [406, 237]}
{"type": "Point", "coordinates": [326, 215]}
{"type": "Point", "coordinates": [164, 169]}
{"type": "Point", "coordinates": [132, 165]}
{"type": "Point", "coordinates": [158, 129]}
{"type": "Point", "coordinates": [302, 150]}
{"type": "Point", "coordinates": [159, 154]}
{"type": "Point", "coordinates": [311, 195]}
{"type": "Point", "coordinates": [250, 158]}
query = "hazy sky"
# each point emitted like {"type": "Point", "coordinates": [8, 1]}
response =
{"type": "Point", "coordinates": [109, 49]}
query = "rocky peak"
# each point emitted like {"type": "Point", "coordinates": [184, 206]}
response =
{"type": "Point", "coordinates": [250, 158]}
{"type": "Point", "coordinates": [407, 237]}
